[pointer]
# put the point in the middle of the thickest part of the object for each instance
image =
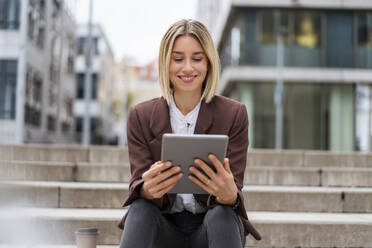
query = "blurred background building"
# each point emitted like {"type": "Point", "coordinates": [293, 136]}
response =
{"type": "Point", "coordinates": [37, 78]}
{"type": "Point", "coordinates": [134, 84]}
{"type": "Point", "coordinates": [327, 68]}
{"type": "Point", "coordinates": [101, 113]}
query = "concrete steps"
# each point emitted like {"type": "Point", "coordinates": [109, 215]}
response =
{"type": "Point", "coordinates": [294, 198]}
{"type": "Point", "coordinates": [312, 229]}
{"type": "Point", "coordinates": [254, 175]}
{"type": "Point", "coordinates": [115, 155]}
{"type": "Point", "coordinates": [257, 198]}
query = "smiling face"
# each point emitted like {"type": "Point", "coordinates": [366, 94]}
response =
{"type": "Point", "coordinates": [188, 65]}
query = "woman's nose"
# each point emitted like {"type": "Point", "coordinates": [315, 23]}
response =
{"type": "Point", "coordinates": [187, 68]}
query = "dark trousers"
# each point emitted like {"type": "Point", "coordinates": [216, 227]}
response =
{"type": "Point", "coordinates": [146, 227]}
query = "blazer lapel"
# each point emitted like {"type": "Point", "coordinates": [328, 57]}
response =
{"type": "Point", "coordinates": [205, 118]}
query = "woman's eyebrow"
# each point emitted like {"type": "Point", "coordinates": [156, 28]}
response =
{"type": "Point", "coordinates": [195, 53]}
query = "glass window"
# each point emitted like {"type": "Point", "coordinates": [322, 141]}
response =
{"type": "Point", "coordinates": [94, 85]}
{"type": "Point", "coordinates": [364, 47]}
{"type": "Point", "coordinates": [305, 115]}
{"type": "Point", "coordinates": [307, 39]}
{"type": "Point", "coordinates": [264, 115]}
{"type": "Point", "coordinates": [79, 124]}
{"type": "Point", "coordinates": [32, 115]}
{"type": "Point", "coordinates": [80, 78]}
{"type": "Point", "coordinates": [8, 84]}
{"type": "Point", "coordinates": [339, 39]}
{"type": "Point", "coordinates": [248, 37]}
{"type": "Point", "coordinates": [51, 123]}
{"type": "Point", "coordinates": [82, 43]}
{"type": "Point", "coordinates": [65, 127]}
{"type": "Point", "coordinates": [267, 38]}
{"type": "Point", "coordinates": [9, 14]}
{"type": "Point", "coordinates": [306, 121]}
{"type": "Point", "coordinates": [80, 46]}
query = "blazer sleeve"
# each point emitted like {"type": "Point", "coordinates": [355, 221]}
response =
{"type": "Point", "coordinates": [140, 156]}
{"type": "Point", "coordinates": [237, 151]}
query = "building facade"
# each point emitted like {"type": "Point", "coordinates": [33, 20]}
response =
{"type": "Point", "coordinates": [101, 106]}
{"type": "Point", "coordinates": [36, 71]}
{"type": "Point", "coordinates": [134, 84]}
{"type": "Point", "coordinates": [324, 60]}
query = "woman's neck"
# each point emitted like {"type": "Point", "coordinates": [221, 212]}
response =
{"type": "Point", "coordinates": [186, 102]}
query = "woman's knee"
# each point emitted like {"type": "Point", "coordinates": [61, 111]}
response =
{"type": "Point", "coordinates": [143, 209]}
{"type": "Point", "coordinates": [220, 213]}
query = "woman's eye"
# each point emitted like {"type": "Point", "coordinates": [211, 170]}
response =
{"type": "Point", "coordinates": [198, 59]}
{"type": "Point", "coordinates": [177, 59]}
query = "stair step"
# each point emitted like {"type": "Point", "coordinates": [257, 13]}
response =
{"type": "Point", "coordinates": [57, 226]}
{"type": "Point", "coordinates": [257, 198]}
{"type": "Point", "coordinates": [254, 175]}
{"type": "Point", "coordinates": [256, 157]}
{"type": "Point", "coordinates": [63, 153]}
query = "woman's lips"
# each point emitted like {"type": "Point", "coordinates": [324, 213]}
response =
{"type": "Point", "coordinates": [187, 79]}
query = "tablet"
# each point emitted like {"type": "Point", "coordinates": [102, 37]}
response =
{"type": "Point", "coordinates": [183, 149]}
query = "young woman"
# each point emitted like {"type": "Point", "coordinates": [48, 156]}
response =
{"type": "Point", "coordinates": [188, 76]}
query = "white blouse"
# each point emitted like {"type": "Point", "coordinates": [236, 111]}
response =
{"type": "Point", "coordinates": [184, 124]}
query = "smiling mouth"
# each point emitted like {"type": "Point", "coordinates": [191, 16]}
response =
{"type": "Point", "coordinates": [187, 79]}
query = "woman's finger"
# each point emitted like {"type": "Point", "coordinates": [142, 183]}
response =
{"type": "Point", "coordinates": [200, 184]}
{"type": "Point", "coordinates": [156, 169]}
{"type": "Point", "coordinates": [217, 163]}
{"type": "Point", "coordinates": [205, 168]}
{"type": "Point", "coordinates": [164, 184]}
{"type": "Point", "coordinates": [226, 164]}
{"type": "Point", "coordinates": [164, 191]}
{"type": "Point", "coordinates": [203, 179]}
{"type": "Point", "coordinates": [163, 176]}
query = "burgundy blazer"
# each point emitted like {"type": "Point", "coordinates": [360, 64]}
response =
{"type": "Point", "coordinates": [149, 120]}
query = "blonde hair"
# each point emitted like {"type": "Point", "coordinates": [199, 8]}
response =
{"type": "Point", "coordinates": [200, 32]}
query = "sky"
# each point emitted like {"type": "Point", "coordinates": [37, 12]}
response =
{"type": "Point", "coordinates": [135, 27]}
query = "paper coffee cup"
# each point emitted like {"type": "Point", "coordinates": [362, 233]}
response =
{"type": "Point", "coordinates": [86, 237]}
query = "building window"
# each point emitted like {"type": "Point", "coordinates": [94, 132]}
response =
{"type": "Point", "coordinates": [82, 45]}
{"type": "Point", "coordinates": [307, 39]}
{"type": "Point", "coordinates": [36, 22]}
{"type": "Point", "coordinates": [80, 81]}
{"type": "Point", "coordinates": [9, 14]}
{"type": "Point", "coordinates": [69, 106]}
{"type": "Point", "coordinates": [34, 99]}
{"type": "Point", "coordinates": [340, 47]}
{"type": "Point", "coordinates": [8, 85]}
{"type": "Point", "coordinates": [80, 85]}
{"type": "Point", "coordinates": [65, 127]}
{"type": "Point", "coordinates": [248, 37]}
{"type": "Point", "coordinates": [364, 46]}
{"type": "Point", "coordinates": [306, 114]}
{"type": "Point", "coordinates": [32, 115]}
{"type": "Point", "coordinates": [267, 38]}
{"type": "Point", "coordinates": [79, 125]}
{"type": "Point", "coordinates": [51, 123]}
{"type": "Point", "coordinates": [71, 56]}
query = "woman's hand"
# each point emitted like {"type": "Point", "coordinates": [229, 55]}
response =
{"type": "Point", "coordinates": [221, 184]}
{"type": "Point", "coordinates": [159, 179]}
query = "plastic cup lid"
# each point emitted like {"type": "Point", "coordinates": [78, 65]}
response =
{"type": "Point", "coordinates": [87, 231]}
